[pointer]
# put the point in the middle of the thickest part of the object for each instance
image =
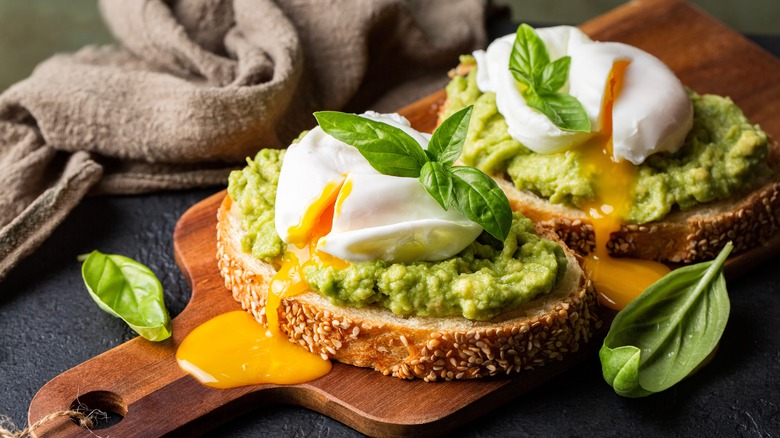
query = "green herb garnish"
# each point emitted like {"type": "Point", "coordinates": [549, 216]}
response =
{"type": "Point", "coordinates": [128, 290]}
{"type": "Point", "coordinates": [391, 151]}
{"type": "Point", "coordinates": [666, 332]}
{"type": "Point", "coordinates": [541, 79]}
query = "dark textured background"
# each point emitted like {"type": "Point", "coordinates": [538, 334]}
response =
{"type": "Point", "coordinates": [49, 324]}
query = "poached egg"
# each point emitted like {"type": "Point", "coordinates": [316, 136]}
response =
{"type": "Point", "coordinates": [651, 114]}
{"type": "Point", "coordinates": [372, 216]}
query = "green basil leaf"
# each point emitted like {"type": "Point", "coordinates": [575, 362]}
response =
{"type": "Point", "coordinates": [565, 111]}
{"type": "Point", "coordinates": [621, 370]}
{"type": "Point", "coordinates": [570, 110]}
{"type": "Point", "coordinates": [554, 75]}
{"type": "Point", "coordinates": [478, 197]}
{"type": "Point", "coordinates": [437, 182]}
{"type": "Point", "coordinates": [529, 56]}
{"type": "Point", "coordinates": [676, 323]}
{"type": "Point", "coordinates": [530, 65]}
{"type": "Point", "coordinates": [128, 290]}
{"type": "Point", "coordinates": [447, 140]}
{"type": "Point", "coordinates": [521, 77]}
{"type": "Point", "coordinates": [388, 149]}
{"type": "Point", "coordinates": [535, 101]}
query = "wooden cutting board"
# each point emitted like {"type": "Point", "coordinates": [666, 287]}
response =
{"type": "Point", "coordinates": [140, 381]}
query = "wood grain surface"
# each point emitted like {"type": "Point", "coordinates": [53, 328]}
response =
{"type": "Point", "coordinates": [140, 380]}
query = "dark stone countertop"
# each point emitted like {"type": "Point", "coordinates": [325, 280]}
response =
{"type": "Point", "coordinates": [49, 324]}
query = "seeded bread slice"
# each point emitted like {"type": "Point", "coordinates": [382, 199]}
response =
{"type": "Point", "coordinates": [429, 348]}
{"type": "Point", "coordinates": [748, 219]}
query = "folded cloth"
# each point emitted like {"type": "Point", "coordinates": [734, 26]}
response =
{"type": "Point", "coordinates": [198, 85]}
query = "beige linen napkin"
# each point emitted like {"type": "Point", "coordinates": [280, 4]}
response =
{"type": "Point", "coordinates": [198, 85]}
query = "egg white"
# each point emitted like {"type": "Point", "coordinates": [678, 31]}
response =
{"type": "Point", "coordinates": [405, 225]}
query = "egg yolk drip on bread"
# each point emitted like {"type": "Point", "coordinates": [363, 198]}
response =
{"type": "Point", "coordinates": [618, 281]}
{"type": "Point", "coordinates": [637, 108]}
{"type": "Point", "coordinates": [254, 354]}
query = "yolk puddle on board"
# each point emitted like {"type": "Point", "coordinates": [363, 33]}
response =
{"type": "Point", "coordinates": [617, 281]}
{"type": "Point", "coordinates": [233, 349]}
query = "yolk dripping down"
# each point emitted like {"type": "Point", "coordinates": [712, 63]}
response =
{"type": "Point", "coordinates": [617, 281]}
{"type": "Point", "coordinates": [315, 224]}
{"type": "Point", "coordinates": [233, 350]}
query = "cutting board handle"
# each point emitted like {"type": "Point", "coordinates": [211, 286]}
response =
{"type": "Point", "coordinates": [141, 387]}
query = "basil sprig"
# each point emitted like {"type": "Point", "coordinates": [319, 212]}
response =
{"type": "Point", "coordinates": [128, 290]}
{"type": "Point", "coordinates": [530, 64]}
{"type": "Point", "coordinates": [391, 151]}
{"type": "Point", "coordinates": [666, 332]}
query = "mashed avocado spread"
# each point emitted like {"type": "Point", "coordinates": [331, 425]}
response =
{"type": "Point", "coordinates": [723, 154]}
{"type": "Point", "coordinates": [482, 281]}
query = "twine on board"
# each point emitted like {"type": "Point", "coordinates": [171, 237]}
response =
{"type": "Point", "coordinates": [9, 430]}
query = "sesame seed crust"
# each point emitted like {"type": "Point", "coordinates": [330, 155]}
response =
{"type": "Point", "coordinates": [426, 348]}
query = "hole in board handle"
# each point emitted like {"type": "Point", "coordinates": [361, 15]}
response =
{"type": "Point", "coordinates": [107, 402]}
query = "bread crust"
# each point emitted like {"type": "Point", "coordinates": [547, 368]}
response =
{"type": "Point", "coordinates": [429, 348]}
{"type": "Point", "coordinates": [747, 219]}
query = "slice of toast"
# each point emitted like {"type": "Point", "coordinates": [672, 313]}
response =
{"type": "Point", "coordinates": [748, 219]}
{"type": "Point", "coordinates": [431, 348]}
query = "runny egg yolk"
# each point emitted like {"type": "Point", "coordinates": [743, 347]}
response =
{"type": "Point", "coordinates": [617, 281]}
{"type": "Point", "coordinates": [316, 223]}
{"type": "Point", "coordinates": [233, 350]}
{"type": "Point", "coordinates": [301, 234]}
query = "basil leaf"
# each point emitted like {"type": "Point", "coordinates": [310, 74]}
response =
{"type": "Point", "coordinates": [564, 110]}
{"type": "Point", "coordinates": [621, 370]}
{"type": "Point", "coordinates": [388, 149]}
{"type": "Point", "coordinates": [478, 197]}
{"type": "Point", "coordinates": [437, 182]}
{"type": "Point", "coordinates": [554, 75]}
{"type": "Point", "coordinates": [530, 65]}
{"type": "Point", "coordinates": [535, 101]}
{"type": "Point", "coordinates": [529, 56]}
{"type": "Point", "coordinates": [570, 110]}
{"type": "Point", "coordinates": [666, 332]}
{"type": "Point", "coordinates": [447, 140]}
{"type": "Point", "coordinates": [128, 290]}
